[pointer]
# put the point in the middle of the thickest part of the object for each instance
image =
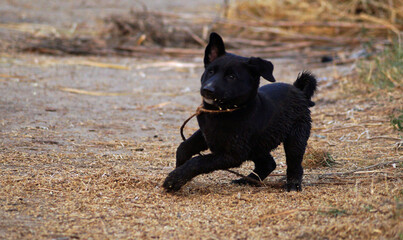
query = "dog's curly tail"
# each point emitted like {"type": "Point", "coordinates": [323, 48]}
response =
{"type": "Point", "coordinates": [306, 82]}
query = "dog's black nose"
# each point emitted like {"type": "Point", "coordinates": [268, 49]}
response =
{"type": "Point", "coordinates": [207, 91]}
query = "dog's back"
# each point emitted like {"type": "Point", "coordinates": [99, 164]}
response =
{"type": "Point", "coordinates": [282, 108]}
{"type": "Point", "coordinates": [278, 92]}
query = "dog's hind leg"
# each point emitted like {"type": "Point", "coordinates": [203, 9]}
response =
{"type": "Point", "coordinates": [294, 147]}
{"type": "Point", "coordinates": [190, 147]}
{"type": "Point", "coordinates": [264, 165]}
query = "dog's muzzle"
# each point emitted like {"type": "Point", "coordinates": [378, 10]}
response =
{"type": "Point", "coordinates": [207, 93]}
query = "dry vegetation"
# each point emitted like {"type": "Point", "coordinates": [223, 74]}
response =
{"type": "Point", "coordinates": [78, 194]}
{"type": "Point", "coordinates": [326, 18]}
{"type": "Point", "coordinates": [265, 28]}
{"type": "Point", "coordinates": [353, 185]}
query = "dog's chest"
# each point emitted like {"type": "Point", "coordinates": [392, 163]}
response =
{"type": "Point", "coordinates": [222, 135]}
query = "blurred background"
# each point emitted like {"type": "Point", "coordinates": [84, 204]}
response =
{"type": "Point", "coordinates": [314, 30]}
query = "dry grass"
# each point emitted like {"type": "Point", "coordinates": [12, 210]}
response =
{"type": "Point", "coordinates": [59, 195]}
{"type": "Point", "coordinates": [75, 193]}
{"type": "Point", "coordinates": [331, 18]}
{"type": "Point", "coordinates": [315, 158]}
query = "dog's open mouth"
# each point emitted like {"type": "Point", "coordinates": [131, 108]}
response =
{"type": "Point", "coordinates": [220, 104]}
{"type": "Point", "coordinates": [208, 100]}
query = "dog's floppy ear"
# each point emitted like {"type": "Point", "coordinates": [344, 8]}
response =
{"type": "Point", "coordinates": [264, 68]}
{"type": "Point", "coordinates": [214, 49]}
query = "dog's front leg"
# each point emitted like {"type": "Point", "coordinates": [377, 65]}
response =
{"type": "Point", "coordinates": [196, 166]}
{"type": "Point", "coordinates": [190, 147]}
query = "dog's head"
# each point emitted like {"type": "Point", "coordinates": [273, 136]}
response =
{"type": "Point", "coordinates": [229, 81]}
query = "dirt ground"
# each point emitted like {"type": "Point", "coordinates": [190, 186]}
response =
{"type": "Point", "coordinates": [86, 142]}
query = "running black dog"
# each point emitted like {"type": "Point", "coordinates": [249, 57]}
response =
{"type": "Point", "coordinates": [253, 120]}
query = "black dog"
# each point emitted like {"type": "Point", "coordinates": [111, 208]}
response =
{"type": "Point", "coordinates": [263, 118]}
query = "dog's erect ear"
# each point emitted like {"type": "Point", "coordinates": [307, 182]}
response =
{"type": "Point", "coordinates": [264, 68]}
{"type": "Point", "coordinates": [214, 49]}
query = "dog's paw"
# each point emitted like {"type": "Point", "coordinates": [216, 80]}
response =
{"type": "Point", "coordinates": [173, 182]}
{"type": "Point", "coordinates": [243, 181]}
{"type": "Point", "coordinates": [293, 187]}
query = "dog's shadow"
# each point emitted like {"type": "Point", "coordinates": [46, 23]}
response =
{"type": "Point", "coordinates": [201, 188]}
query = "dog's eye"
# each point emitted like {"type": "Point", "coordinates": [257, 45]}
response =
{"type": "Point", "coordinates": [231, 77]}
{"type": "Point", "coordinates": [211, 72]}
